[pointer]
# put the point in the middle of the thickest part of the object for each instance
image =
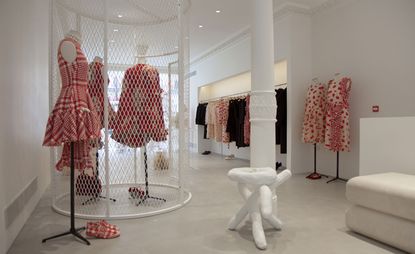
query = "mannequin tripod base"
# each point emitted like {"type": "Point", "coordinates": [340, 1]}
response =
{"type": "Point", "coordinates": [72, 231]}
{"type": "Point", "coordinates": [143, 199]}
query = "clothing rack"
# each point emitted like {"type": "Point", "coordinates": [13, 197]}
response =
{"type": "Point", "coordinates": [315, 175]}
{"type": "Point", "coordinates": [72, 230]}
{"type": "Point", "coordinates": [235, 95]}
{"type": "Point", "coordinates": [337, 171]}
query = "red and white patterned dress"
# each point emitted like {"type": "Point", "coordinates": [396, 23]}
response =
{"type": "Point", "coordinates": [96, 91]}
{"type": "Point", "coordinates": [73, 118]}
{"type": "Point", "coordinates": [337, 137]}
{"type": "Point", "coordinates": [314, 124]}
{"type": "Point", "coordinates": [139, 118]}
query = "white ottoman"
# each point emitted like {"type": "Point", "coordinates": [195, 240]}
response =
{"type": "Point", "coordinates": [384, 208]}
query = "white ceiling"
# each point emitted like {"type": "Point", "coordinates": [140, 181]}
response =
{"type": "Point", "coordinates": [234, 17]}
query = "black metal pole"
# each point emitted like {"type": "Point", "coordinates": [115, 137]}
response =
{"type": "Point", "coordinates": [72, 230]}
{"type": "Point", "coordinates": [147, 193]}
{"type": "Point", "coordinates": [337, 170]}
{"type": "Point", "coordinates": [315, 158]}
{"type": "Point", "coordinates": [72, 188]}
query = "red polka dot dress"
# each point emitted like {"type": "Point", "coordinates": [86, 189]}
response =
{"type": "Point", "coordinates": [315, 114]}
{"type": "Point", "coordinates": [73, 118]}
{"type": "Point", "coordinates": [337, 136]}
{"type": "Point", "coordinates": [140, 117]}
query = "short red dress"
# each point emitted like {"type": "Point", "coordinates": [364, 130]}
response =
{"type": "Point", "coordinates": [140, 117]}
{"type": "Point", "coordinates": [96, 91]}
{"type": "Point", "coordinates": [314, 123]}
{"type": "Point", "coordinates": [337, 136]}
{"type": "Point", "coordinates": [73, 118]}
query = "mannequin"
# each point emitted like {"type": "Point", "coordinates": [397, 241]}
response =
{"type": "Point", "coordinates": [141, 54]}
{"type": "Point", "coordinates": [98, 59]}
{"type": "Point", "coordinates": [68, 49]}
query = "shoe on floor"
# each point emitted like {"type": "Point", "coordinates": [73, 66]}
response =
{"type": "Point", "coordinates": [102, 230]}
{"type": "Point", "coordinates": [206, 152]}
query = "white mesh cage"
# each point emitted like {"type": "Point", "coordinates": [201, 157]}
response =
{"type": "Point", "coordinates": [137, 51]}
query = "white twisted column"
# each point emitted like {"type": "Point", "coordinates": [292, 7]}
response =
{"type": "Point", "coordinates": [262, 105]}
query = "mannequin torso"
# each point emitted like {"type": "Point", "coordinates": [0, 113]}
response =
{"type": "Point", "coordinates": [68, 49]}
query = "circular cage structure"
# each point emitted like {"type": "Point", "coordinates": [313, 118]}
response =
{"type": "Point", "coordinates": [137, 51]}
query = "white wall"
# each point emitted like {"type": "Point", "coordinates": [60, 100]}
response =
{"type": "Point", "coordinates": [372, 41]}
{"type": "Point", "coordinates": [292, 43]}
{"type": "Point", "coordinates": [379, 152]}
{"type": "Point", "coordinates": [23, 106]}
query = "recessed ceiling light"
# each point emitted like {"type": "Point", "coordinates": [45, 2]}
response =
{"type": "Point", "coordinates": [217, 11]}
{"type": "Point", "coordinates": [119, 15]}
{"type": "Point", "coordinates": [176, 47]}
{"type": "Point", "coordinates": [115, 30]}
{"type": "Point", "coordinates": [112, 41]}
{"type": "Point", "coordinates": [200, 26]}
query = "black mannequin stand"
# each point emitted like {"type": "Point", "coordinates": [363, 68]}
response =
{"type": "Point", "coordinates": [147, 196]}
{"type": "Point", "coordinates": [315, 175]}
{"type": "Point", "coordinates": [337, 172]}
{"type": "Point", "coordinates": [72, 230]}
{"type": "Point", "coordinates": [97, 176]}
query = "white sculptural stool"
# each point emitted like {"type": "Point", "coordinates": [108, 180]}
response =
{"type": "Point", "coordinates": [256, 186]}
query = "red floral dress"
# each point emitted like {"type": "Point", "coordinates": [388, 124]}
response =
{"type": "Point", "coordinates": [314, 123]}
{"type": "Point", "coordinates": [73, 118]}
{"type": "Point", "coordinates": [222, 113]}
{"type": "Point", "coordinates": [337, 136]}
{"type": "Point", "coordinates": [139, 118]}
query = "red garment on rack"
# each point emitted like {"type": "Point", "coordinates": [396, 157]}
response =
{"type": "Point", "coordinates": [139, 118]}
{"type": "Point", "coordinates": [314, 123]}
{"type": "Point", "coordinates": [337, 136]}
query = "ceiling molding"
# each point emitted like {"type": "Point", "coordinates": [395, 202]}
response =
{"type": "Point", "coordinates": [229, 42]}
{"type": "Point", "coordinates": [326, 5]}
{"type": "Point", "coordinates": [281, 11]}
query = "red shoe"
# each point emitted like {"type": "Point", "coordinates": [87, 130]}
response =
{"type": "Point", "coordinates": [102, 223]}
{"type": "Point", "coordinates": [98, 230]}
{"type": "Point", "coordinates": [136, 192]}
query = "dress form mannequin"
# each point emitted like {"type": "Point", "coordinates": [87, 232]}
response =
{"type": "Point", "coordinates": [68, 49]}
{"type": "Point", "coordinates": [98, 59]}
{"type": "Point", "coordinates": [141, 54]}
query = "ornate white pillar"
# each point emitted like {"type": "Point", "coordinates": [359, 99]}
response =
{"type": "Point", "coordinates": [262, 104]}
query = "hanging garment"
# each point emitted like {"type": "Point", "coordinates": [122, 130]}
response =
{"type": "Point", "coordinates": [73, 118]}
{"type": "Point", "coordinates": [201, 117]}
{"type": "Point", "coordinates": [139, 118]}
{"type": "Point", "coordinates": [96, 91]}
{"type": "Point", "coordinates": [201, 114]}
{"type": "Point", "coordinates": [281, 124]}
{"type": "Point", "coordinates": [218, 123]}
{"type": "Point", "coordinates": [315, 114]}
{"type": "Point", "coordinates": [337, 136]}
{"type": "Point", "coordinates": [247, 124]}
{"type": "Point", "coordinates": [223, 112]}
{"type": "Point", "coordinates": [236, 120]}
{"type": "Point", "coordinates": [211, 119]}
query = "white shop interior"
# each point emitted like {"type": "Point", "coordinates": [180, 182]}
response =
{"type": "Point", "coordinates": [222, 126]}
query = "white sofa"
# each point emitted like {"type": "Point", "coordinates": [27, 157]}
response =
{"type": "Point", "coordinates": [383, 208]}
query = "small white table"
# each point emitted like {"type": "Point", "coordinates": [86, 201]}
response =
{"type": "Point", "coordinates": [255, 186]}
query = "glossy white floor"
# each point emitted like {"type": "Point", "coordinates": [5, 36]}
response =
{"type": "Point", "coordinates": [313, 213]}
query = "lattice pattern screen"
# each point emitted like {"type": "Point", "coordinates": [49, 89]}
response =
{"type": "Point", "coordinates": [137, 85]}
